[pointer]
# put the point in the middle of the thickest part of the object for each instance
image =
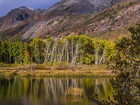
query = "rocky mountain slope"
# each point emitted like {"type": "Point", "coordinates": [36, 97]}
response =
{"type": "Point", "coordinates": [79, 6]}
{"type": "Point", "coordinates": [100, 18]}
{"type": "Point", "coordinates": [17, 21]}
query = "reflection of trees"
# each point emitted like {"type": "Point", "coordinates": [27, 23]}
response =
{"type": "Point", "coordinates": [98, 89]}
{"type": "Point", "coordinates": [51, 90]}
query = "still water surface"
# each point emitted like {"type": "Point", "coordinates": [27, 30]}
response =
{"type": "Point", "coordinates": [51, 91]}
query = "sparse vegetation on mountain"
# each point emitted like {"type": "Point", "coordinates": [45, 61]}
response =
{"type": "Point", "coordinates": [67, 17]}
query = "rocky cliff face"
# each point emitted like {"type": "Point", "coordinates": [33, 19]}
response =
{"type": "Point", "coordinates": [17, 21]}
{"type": "Point", "coordinates": [90, 17]}
{"type": "Point", "coordinates": [16, 17]}
{"type": "Point", "coordinates": [80, 6]}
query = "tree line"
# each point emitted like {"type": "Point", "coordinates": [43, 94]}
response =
{"type": "Point", "coordinates": [72, 49]}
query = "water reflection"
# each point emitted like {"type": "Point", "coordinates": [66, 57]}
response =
{"type": "Point", "coordinates": [51, 91]}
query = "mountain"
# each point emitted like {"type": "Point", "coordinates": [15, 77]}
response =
{"type": "Point", "coordinates": [79, 6]}
{"type": "Point", "coordinates": [17, 21]}
{"type": "Point", "coordinates": [99, 18]}
{"type": "Point", "coordinates": [16, 16]}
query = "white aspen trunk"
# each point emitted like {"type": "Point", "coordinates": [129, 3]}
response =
{"type": "Point", "coordinates": [76, 54]}
{"type": "Point", "coordinates": [62, 53]}
{"type": "Point", "coordinates": [40, 52]}
{"type": "Point", "coordinates": [65, 55]}
{"type": "Point", "coordinates": [102, 57]}
{"type": "Point", "coordinates": [57, 55]}
{"type": "Point", "coordinates": [47, 52]}
{"type": "Point", "coordinates": [67, 50]}
{"type": "Point", "coordinates": [96, 55]}
{"type": "Point", "coordinates": [72, 51]}
{"type": "Point", "coordinates": [53, 52]}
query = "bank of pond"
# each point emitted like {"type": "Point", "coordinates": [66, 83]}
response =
{"type": "Point", "coordinates": [54, 73]}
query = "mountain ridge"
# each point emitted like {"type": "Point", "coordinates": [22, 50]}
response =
{"type": "Point", "coordinates": [62, 19]}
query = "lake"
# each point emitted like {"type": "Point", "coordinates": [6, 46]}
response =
{"type": "Point", "coordinates": [52, 91]}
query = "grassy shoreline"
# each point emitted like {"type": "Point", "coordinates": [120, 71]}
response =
{"type": "Point", "coordinates": [56, 71]}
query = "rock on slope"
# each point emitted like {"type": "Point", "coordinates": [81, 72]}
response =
{"type": "Point", "coordinates": [80, 6]}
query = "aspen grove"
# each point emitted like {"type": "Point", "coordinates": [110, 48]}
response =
{"type": "Point", "coordinates": [72, 49]}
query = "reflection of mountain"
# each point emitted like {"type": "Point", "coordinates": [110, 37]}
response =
{"type": "Point", "coordinates": [51, 91]}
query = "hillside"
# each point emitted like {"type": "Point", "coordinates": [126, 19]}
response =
{"type": "Point", "coordinates": [98, 18]}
